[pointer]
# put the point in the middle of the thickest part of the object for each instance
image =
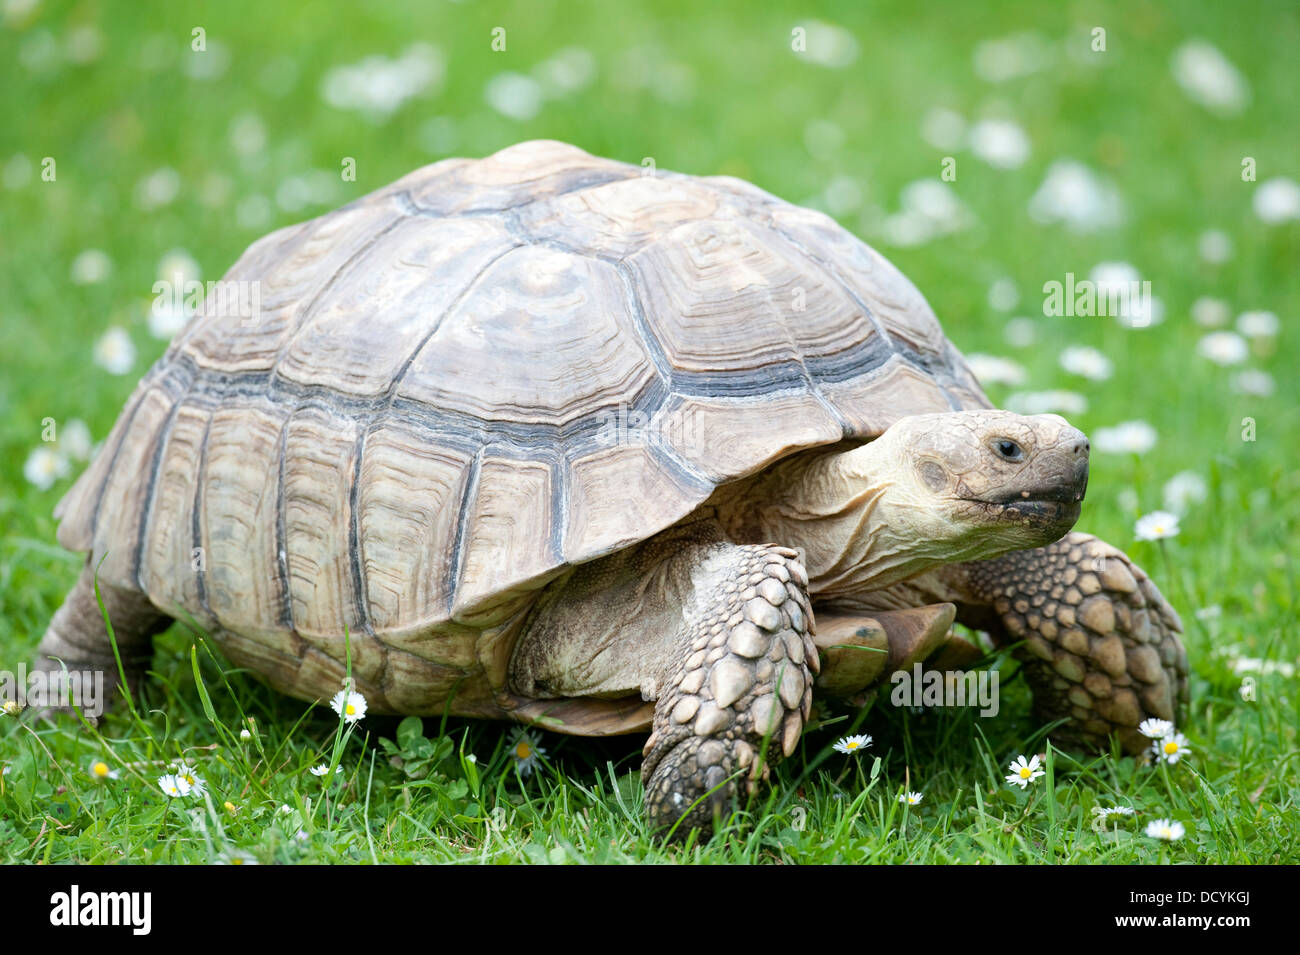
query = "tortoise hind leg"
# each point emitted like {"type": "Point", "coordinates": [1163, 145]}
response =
{"type": "Point", "coordinates": [859, 650]}
{"type": "Point", "coordinates": [77, 639]}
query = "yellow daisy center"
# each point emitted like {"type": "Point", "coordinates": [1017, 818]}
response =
{"type": "Point", "coordinates": [523, 750]}
{"type": "Point", "coordinates": [100, 769]}
{"type": "Point", "coordinates": [852, 744]}
{"type": "Point", "coordinates": [188, 778]}
{"type": "Point", "coordinates": [236, 861]}
{"type": "Point", "coordinates": [1025, 772]}
{"type": "Point", "coordinates": [350, 710]}
{"type": "Point", "coordinates": [1171, 747]}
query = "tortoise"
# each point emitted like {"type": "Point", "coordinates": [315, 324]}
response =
{"type": "Point", "coordinates": [545, 438]}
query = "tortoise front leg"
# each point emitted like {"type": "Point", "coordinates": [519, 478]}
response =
{"type": "Point", "coordinates": [718, 634]}
{"type": "Point", "coordinates": [737, 695]}
{"type": "Point", "coordinates": [1099, 644]}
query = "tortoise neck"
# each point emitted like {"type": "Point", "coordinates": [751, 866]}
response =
{"type": "Point", "coordinates": [847, 511]}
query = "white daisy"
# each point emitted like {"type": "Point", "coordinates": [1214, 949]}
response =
{"type": "Point", "coordinates": [1210, 312]}
{"type": "Point", "coordinates": [827, 44]}
{"type": "Point", "coordinates": [1106, 811]}
{"type": "Point", "coordinates": [842, 195]}
{"type": "Point", "coordinates": [91, 267]}
{"type": "Point", "coordinates": [1183, 490]}
{"type": "Point", "coordinates": [1087, 363]}
{"type": "Point", "coordinates": [177, 265]}
{"type": "Point", "coordinates": [100, 771]}
{"type": "Point", "coordinates": [158, 188]}
{"type": "Point", "coordinates": [1156, 525]}
{"type": "Point", "coordinates": [349, 704]}
{"type": "Point", "coordinates": [1074, 195]}
{"type": "Point", "coordinates": [1045, 402]}
{"type": "Point", "coordinates": [1003, 58]}
{"type": "Point", "coordinates": [1000, 143]}
{"type": "Point", "coordinates": [1120, 285]}
{"type": "Point", "coordinates": [1024, 772]}
{"type": "Point", "coordinates": [1209, 78]}
{"type": "Point", "coordinates": [314, 187]}
{"type": "Point", "coordinates": [1224, 348]}
{"type": "Point", "coordinates": [993, 370]}
{"type": "Point", "coordinates": [1253, 381]}
{"type": "Point", "coordinates": [378, 86]}
{"type": "Point", "coordinates": [167, 317]}
{"type": "Point", "coordinates": [1172, 748]}
{"type": "Point", "coordinates": [247, 134]}
{"type": "Point", "coordinates": [74, 438]}
{"type": "Point", "coordinates": [236, 857]}
{"type": "Point", "coordinates": [1155, 729]}
{"type": "Point", "coordinates": [1133, 437]}
{"type": "Point", "coordinates": [44, 466]}
{"type": "Point", "coordinates": [568, 71]}
{"type": "Point", "coordinates": [928, 209]}
{"type": "Point", "coordinates": [1214, 246]}
{"type": "Point", "coordinates": [1277, 200]}
{"type": "Point", "coordinates": [173, 786]}
{"type": "Point", "coordinates": [245, 735]}
{"type": "Point", "coordinates": [525, 752]}
{"type": "Point", "coordinates": [1264, 667]}
{"type": "Point", "coordinates": [943, 128]}
{"type": "Point", "coordinates": [115, 352]}
{"type": "Point", "coordinates": [1165, 829]}
{"type": "Point", "coordinates": [1258, 324]}
{"type": "Point", "coordinates": [11, 708]}
{"type": "Point", "coordinates": [849, 745]}
{"type": "Point", "coordinates": [1020, 332]}
{"type": "Point", "coordinates": [323, 769]}
{"type": "Point", "coordinates": [911, 799]}
{"type": "Point", "coordinates": [1114, 277]}
{"type": "Point", "coordinates": [1002, 295]}
{"type": "Point", "coordinates": [187, 775]}
{"type": "Point", "coordinates": [514, 95]}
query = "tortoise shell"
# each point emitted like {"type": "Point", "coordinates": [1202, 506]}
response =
{"type": "Point", "coordinates": [461, 385]}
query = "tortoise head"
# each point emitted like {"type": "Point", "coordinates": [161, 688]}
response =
{"type": "Point", "coordinates": [1015, 480]}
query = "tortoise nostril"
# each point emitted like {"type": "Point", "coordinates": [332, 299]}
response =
{"type": "Point", "coordinates": [1082, 447]}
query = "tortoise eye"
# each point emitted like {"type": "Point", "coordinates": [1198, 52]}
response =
{"type": "Point", "coordinates": [1008, 449]}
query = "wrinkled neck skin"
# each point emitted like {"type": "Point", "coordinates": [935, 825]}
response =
{"type": "Point", "coordinates": [859, 516]}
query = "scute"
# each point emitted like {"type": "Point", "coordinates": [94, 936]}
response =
{"type": "Point", "coordinates": [476, 377]}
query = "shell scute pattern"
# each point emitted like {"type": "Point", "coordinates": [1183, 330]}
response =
{"type": "Point", "coordinates": [414, 434]}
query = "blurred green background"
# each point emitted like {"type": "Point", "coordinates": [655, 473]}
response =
{"type": "Point", "coordinates": [1067, 157]}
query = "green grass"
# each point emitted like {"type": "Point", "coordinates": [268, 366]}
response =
{"type": "Point", "coordinates": [725, 95]}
